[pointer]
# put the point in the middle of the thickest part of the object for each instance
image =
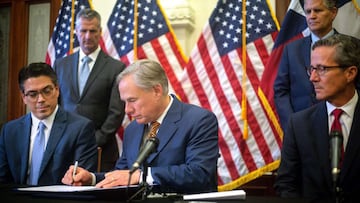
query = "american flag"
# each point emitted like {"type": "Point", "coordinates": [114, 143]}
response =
{"type": "Point", "coordinates": [146, 35]}
{"type": "Point", "coordinates": [63, 40]}
{"type": "Point", "coordinates": [223, 74]}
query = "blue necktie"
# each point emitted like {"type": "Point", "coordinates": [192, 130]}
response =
{"type": "Point", "coordinates": [84, 73]}
{"type": "Point", "coordinates": [37, 154]}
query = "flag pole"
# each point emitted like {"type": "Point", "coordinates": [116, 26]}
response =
{"type": "Point", "coordinates": [72, 27]}
{"type": "Point", "coordinates": [136, 15]}
{"type": "Point", "coordinates": [243, 102]}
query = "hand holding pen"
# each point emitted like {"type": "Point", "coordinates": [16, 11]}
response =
{"type": "Point", "coordinates": [77, 176]}
{"type": "Point", "coordinates": [74, 169]}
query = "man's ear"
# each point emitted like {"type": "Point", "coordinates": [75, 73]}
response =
{"type": "Point", "coordinates": [158, 89]}
{"type": "Point", "coordinates": [351, 73]}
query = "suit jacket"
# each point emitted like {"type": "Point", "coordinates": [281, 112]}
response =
{"type": "Point", "coordinates": [305, 168]}
{"type": "Point", "coordinates": [71, 138]}
{"type": "Point", "coordinates": [186, 157]}
{"type": "Point", "coordinates": [293, 90]}
{"type": "Point", "coordinates": [100, 101]}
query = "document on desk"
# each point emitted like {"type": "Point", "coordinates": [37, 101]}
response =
{"type": "Point", "coordinates": [66, 188]}
{"type": "Point", "coordinates": [81, 192]}
{"type": "Point", "coordinates": [226, 195]}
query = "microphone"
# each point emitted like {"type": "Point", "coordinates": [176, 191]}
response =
{"type": "Point", "coordinates": [149, 147]}
{"type": "Point", "coordinates": [336, 142]}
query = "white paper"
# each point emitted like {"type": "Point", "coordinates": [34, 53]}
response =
{"type": "Point", "coordinates": [65, 188]}
{"type": "Point", "coordinates": [226, 195]}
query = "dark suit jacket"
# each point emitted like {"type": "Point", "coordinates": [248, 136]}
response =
{"type": "Point", "coordinates": [293, 90]}
{"type": "Point", "coordinates": [186, 158]}
{"type": "Point", "coordinates": [305, 163]}
{"type": "Point", "coordinates": [100, 101]}
{"type": "Point", "coordinates": [71, 138]}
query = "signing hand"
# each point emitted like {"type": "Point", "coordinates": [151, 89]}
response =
{"type": "Point", "coordinates": [82, 177]}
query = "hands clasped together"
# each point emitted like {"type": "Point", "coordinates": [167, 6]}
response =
{"type": "Point", "coordinates": [112, 179]}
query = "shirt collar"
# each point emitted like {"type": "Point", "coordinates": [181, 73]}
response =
{"type": "Point", "coordinates": [162, 116]}
{"type": "Point", "coordinates": [93, 55]}
{"type": "Point", "coordinates": [348, 108]}
{"type": "Point", "coordinates": [315, 38]}
{"type": "Point", "coordinates": [47, 121]}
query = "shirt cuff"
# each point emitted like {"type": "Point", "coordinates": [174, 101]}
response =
{"type": "Point", "coordinates": [149, 178]}
{"type": "Point", "coordinates": [93, 179]}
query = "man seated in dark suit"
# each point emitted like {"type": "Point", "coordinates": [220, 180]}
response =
{"type": "Point", "coordinates": [41, 156]}
{"type": "Point", "coordinates": [305, 169]}
{"type": "Point", "coordinates": [93, 93]}
{"type": "Point", "coordinates": [186, 157]}
{"type": "Point", "coordinates": [292, 89]}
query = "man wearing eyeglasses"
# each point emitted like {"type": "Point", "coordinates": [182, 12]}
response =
{"type": "Point", "coordinates": [307, 156]}
{"type": "Point", "coordinates": [292, 89]}
{"type": "Point", "coordinates": [32, 155]}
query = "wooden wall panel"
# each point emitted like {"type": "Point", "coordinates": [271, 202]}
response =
{"type": "Point", "coordinates": [18, 42]}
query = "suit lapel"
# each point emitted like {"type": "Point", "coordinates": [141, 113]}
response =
{"type": "Point", "coordinates": [135, 140]}
{"type": "Point", "coordinates": [98, 67]}
{"type": "Point", "coordinates": [56, 133]}
{"type": "Point", "coordinates": [168, 127]}
{"type": "Point", "coordinates": [305, 50]}
{"type": "Point", "coordinates": [322, 146]}
{"type": "Point", "coordinates": [25, 143]}
{"type": "Point", "coordinates": [74, 73]}
{"type": "Point", "coordinates": [352, 151]}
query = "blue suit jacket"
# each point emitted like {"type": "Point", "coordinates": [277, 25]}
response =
{"type": "Point", "coordinates": [293, 90]}
{"type": "Point", "coordinates": [305, 163]}
{"type": "Point", "coordinates": [71, 138]}
{"type": "Point", "coordinates": [100, 101]}
{"type": "Point", "coordinates": [186, 158]}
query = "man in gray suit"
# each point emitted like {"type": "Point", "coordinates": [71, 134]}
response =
{"type": "Point", "coordinates": [94, 96]}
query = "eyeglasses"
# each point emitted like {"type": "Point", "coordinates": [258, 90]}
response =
{"type": "Point", "coordinates": [321, 69]}
{"type": "Point", "coordinates": [46, 92]}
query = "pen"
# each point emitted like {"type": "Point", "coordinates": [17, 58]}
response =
{"type": "Point", "coordinates": [75, 168]}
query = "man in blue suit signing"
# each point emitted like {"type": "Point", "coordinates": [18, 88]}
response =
{"type": "Point", "coordinates": [186, 158]}
{"type": "Point", "coordinates": [41, 156]}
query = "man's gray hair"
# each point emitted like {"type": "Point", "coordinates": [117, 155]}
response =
{"type": "Point", "coordinates": [88, 14]}
{"type": "Point", "coordinates": [347, 49]}
{"type": "Point", "coordinates": [147, 74]}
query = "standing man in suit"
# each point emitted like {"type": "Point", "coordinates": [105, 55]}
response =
{"type": "Point", "coordinates": [67, 137]}
{"type": "Point", "coordinates": [305, 169]}
{"type": "Point", "coordinates": [186, 158]}
{"type": "Point", "coordinates": [97, 97]}
{"type": "Point", "coordinates": [293, 90]}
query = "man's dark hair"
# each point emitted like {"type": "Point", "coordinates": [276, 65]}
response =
{"type": "Point", "coordinates": [34, 70]}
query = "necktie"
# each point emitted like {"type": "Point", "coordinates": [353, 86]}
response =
{"type": "Point", "coordinates": [336, 126]}
{"type": "Point", "coordinates": [154, 127]}
{"type": "Point", "coordinates": [37, 154]}
{"type": "Point", "coordinates": [84, 73]}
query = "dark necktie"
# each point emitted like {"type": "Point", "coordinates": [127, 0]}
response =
{"type": "Point", "coordinates": [336, 126]}
{"type": "Point", "coordinates": [37, 154]}
{"type": "Point", "coordinates": [84, 73]}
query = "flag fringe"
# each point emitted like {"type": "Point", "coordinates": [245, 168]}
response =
{"type": "Point", "coordinates": [270, 113]}
{"type": "Point", "coordinates": [249, 177]}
